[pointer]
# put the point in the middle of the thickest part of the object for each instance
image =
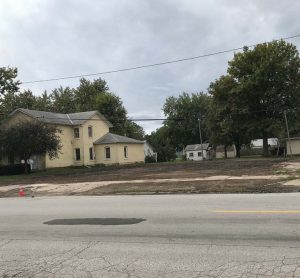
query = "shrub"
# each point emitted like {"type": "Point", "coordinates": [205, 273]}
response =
{"type": "Point", "coordinates": [15, 169]}
{"type": "Point", "coordinates": [150, 159]}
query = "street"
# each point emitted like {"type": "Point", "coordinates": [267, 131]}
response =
{"type": "Point", "coordinates": [229, 235]}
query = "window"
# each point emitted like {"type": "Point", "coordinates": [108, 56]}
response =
{"type": "Point", "coordinates": [126, 152]}
{"type": "Point", "coordinates": [90, 131]}
{"type": "Point", "coordinates": [91, 154]}
{"type": "Point", "coordinates": [77, 154]}
{"type": "Point", "coordinates": [107, 152]}
{"type": "Point", "coordinates": [199, 154]}
{"type": "Point", "coordinates": [76, 132]}
{"type": "Point", "coordinates": [191, 154]}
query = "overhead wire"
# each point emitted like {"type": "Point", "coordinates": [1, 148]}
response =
{"type": "Point", "coordinates": [153, 64]}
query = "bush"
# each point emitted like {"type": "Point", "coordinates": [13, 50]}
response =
{"type": "Point", "coordinates": [14, 169]}
{"type": "Point", "coordinates": [150, 159]}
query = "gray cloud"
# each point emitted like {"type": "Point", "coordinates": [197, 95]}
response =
{"type": "Point", "coordinates": [54, 38]}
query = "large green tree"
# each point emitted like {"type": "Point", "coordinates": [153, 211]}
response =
{"type": "Point", "coordinates": [28, 138]}
{"type": "Point", "coordinates": [160, 141]}
{"type": "Point", "coordinates": [227, 120]}
{"type": "Point", "coordinates": [183, 113]}
{"type": "Point", "coordinates": [268, 83]}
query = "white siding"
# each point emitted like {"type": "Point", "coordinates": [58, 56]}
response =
{"type": "Point", "coordinates": [193, 155]}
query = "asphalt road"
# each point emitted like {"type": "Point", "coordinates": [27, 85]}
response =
{"type": "Point", "coordinates": [151, 236]}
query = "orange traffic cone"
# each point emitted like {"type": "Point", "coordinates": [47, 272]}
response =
{"type": "Point", "coordinates": [21, 191]}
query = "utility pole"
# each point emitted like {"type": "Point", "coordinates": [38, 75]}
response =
{"type": "Point", "coordinates": [200, 134]}
{"type": "Point", "coordinates": [288, 133]}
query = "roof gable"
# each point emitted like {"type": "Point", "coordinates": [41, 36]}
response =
{"type": "Point", "coordinates": [196, 147]}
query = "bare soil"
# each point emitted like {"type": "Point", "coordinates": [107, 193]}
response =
{"type": "Point", "coordinates": [260, 168]}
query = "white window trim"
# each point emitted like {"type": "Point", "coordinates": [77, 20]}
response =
{"type": "Point", "coordinates": [91, 131]}
{"type": "Point", "coordinates": [78, 133]}
{"type": "Point", "coordinates": [107, 147]}
{"type": "Point", "coordinates": [75, 154]}
{"type": "Point", "coordinates": [125, 157]}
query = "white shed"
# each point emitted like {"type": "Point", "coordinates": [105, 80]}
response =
{"type": "Point", "coordinates": [194, 152]}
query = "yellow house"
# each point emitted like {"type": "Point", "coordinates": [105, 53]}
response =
{"type": "Point", "coordinates": [85, 140]}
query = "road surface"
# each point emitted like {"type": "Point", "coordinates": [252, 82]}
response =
{"type": "Point", "coordinates": [151, 236]}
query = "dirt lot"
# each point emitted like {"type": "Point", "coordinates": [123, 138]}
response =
{"type": "Point", "coordinates": [220, 176]}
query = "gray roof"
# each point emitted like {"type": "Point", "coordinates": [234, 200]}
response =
{"type": "Point", "coordinates": [196, 147]}
{"type": "Point", "coordinates": [72, 119]}
{"type": "Point", "coordinates": [110, 138]}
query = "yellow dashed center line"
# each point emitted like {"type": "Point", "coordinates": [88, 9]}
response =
{"type": "Point", "coordinates": [259, 211]}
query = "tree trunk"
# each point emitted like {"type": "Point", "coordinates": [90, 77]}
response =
{"type": "Point", "coordinates": [238, 151]}
{"type": "Point", "coordinates": [237, 143]}
{"type": "Point", "coordinates": [265, 144]}
{"type": "Point", "coordinates": [225, 151]}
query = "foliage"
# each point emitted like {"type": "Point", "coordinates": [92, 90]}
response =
{"type": "Point", "coordinates": [27, 138]}
{"type": "Point", "coordinates": [267, 84]}
{"type": "Point", "coordinates": [150, 159]}
{"type": "Point", "coordinates": [187, 109]}
{"type": "Point", "coordinates": [8, 84]}
{"type": "Point", "coordinates": [63, 100]}
{"type": "Point", "coordinates": [160, 140]}
{"type": "Point", "coordinates": [227, 122]}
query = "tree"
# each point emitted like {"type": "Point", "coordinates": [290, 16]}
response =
{"type": "Point", "coordinates": [160, 141]}
{"type": "Point", "coordinates": [268, 83]}
{"type": "Point", "coordinates": [112, 108]}
{"type": "Point", "coordinates": [8, 84]}
{"type": "Point", "coordinates": [63, 100]}
{"type": "Point", "coordinates": [183, 113]}
{"type": "Point", "coordinates": [133, 130]}
{"type": "Point", "coordinates": [87, 92]}
{"type": "Point", "coordinates": [28, 138]}
{"type": "Point", "coordinates": [227, 120]}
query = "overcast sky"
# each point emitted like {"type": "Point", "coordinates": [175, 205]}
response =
{"type": "Point", "coordinates": [57, 38]}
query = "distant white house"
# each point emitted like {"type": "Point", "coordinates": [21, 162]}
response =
{"type": "Point", "coordinates": [148, 150]}
{"type": "Point", "coordinates": [258, 143]}
{"type": "Point", "coordinates": [194, 152]}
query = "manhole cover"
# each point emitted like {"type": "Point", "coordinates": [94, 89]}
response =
{"type": "Point", "coordinates": [95, 221]}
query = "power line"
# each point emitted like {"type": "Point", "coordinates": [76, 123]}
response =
{"type": "Point", "coordinates": [151, 65]}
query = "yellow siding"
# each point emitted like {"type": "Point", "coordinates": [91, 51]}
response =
{"type": "Point", "coordinates": [135, 153]}
{"type": "Point", "coordinates": [99, 128]}
{"type": "Point", "coordinates": [100, 154]}
{"type": "Point", "coordinates": [66, 155]}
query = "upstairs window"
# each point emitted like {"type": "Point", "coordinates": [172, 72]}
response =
{"type": "Point", "coordinates": [76, 132]}
{"type": "Point", "coordinates": [126, 152]}
{"type": "Point", "coordinates": [90, 131]}
{"type": "Point", "coordinates": [107, 152]}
